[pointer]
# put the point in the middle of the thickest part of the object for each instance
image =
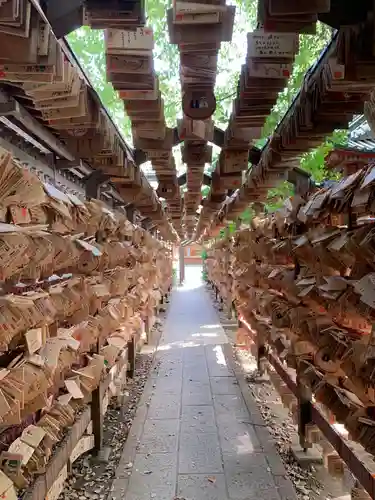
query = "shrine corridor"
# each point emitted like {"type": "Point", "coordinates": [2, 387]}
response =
{"type": "Point", "coordinates": [194, 437]}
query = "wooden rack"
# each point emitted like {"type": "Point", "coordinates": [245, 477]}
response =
{"type": "Point", "coordinates": [300, 280]}
{"type": "Point", "coordinates": [358, 462]}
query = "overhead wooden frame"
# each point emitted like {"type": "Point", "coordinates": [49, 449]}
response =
{"type": "Point", "coordinates": [198, 29]}
{"type": "Point", "coordinates": [26, 117]}
{"type": "Point", "coordinates": [331, 95]}
{"type": "Point", "coordinates": [269, 64]}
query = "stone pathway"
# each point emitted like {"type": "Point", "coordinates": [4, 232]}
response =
{"type": "Point", "coordinates": [195, 437]}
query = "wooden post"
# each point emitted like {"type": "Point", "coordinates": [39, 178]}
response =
{"type": "Point", "coordinates": [260, 353]}
{"type": "Point", "coordinates": [97, 417]}
{"type": "Point", "coordinates": [182, 264]}
{"type": "Point", "coordinates": [93, 183]}
{"type": "Point", "coordinates": [97, 412]}
{"type": "Point", "coordinates": [304, 412]}
{"type": "Point", "coordinates": [130, 213]}
{"type": "Point", "coordinates": [131, 358]}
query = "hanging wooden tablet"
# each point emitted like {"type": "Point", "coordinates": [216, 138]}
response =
{"type": "Point", "coordinates": [199, 104]}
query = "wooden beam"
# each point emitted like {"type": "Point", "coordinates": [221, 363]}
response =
{"type": "Point", "coordinates": [61, 164]}
{"type": "Point", "coordinates": [93, 183]}
{"type": "Point", "coordinates": [141, 157]}
{"type": "Point", "coordinates": [36, 129]}
{"type": "Point", "coordinates": [130, 213]}
{"type": "Point", "coordinates": [28, 155]}
{"type": "Point", "coordinates": [64, 16]}
{"type": "Point", "coordinates": [182, 180]}
{"type": "Point", "coordinates": [72, 58]}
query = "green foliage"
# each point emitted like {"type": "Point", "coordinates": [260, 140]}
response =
{"type": "Point", "coordinates": [247, 215]}
{"type": "Point", "coordinates": [313, 161]}
{"type": "Point", "coordinates": [205, 191]}
{"type": "Point", "coordinates": [278, 195]}
{"type": "Point", "coordinates": [231, 56]}
{"type": "Point", "coordinates": [229, 229]}
{"type": "Point", "coordinates": [88, 46]}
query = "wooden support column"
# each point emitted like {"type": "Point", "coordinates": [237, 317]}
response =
{"type": "Point", "coordinates": [260, 353]}
{"type": "Point", "coordinates": [11, 107]}
{"type": "Point", "coordinates": [182, 264]}
{"type": "Point", "coordinates": [130, 213]}
{"type": "Point", "coordinates": [131, 358]}
{"type": "Point", "coordinates": [97, 412]}
{"type": "Point", "coordinates": [93, 183]}
{"type": "Point", "coordinates": [304, 412]}
{"type": "Point", "coordinates": [97, 417]}
{"type": "Point", "coordinates": [228, 298]}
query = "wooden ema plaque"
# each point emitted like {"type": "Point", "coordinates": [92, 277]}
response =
{"type": "Point", "coordinates": [199, 104]}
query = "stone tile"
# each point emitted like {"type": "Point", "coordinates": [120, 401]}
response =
{"type": "Point", "coordinates": [167, 407]}
{"type": "Point", "coordinates": [212, 428]}
{"type": "Point", "coordinates": [275, 463]}
{"type": "Point", "coordinates": [237, 437]}
{"type": "Point", "coordinates": [199, 453]}
{"type": "Point", "coordinates": [196, 373]}
{"type": "Point", "coordinates": [245, 486]}
{"type": "Point", "coordinates": [244, 461]}
{"type": "Point", "coordinates": [195, 366]}
{"type": "Point", "coordinates": [231, 405]}
{"type": "Point", "coordinates": [224, 385]}
{"type": "Point", "coordinates": [159, 436]}
{"type": "Point", "coordinates": [192, 354]}
{"type": "Point", "coordinates": [192, 385]}
{"type": "Point", "coordinates": [200, 396]}
{"type": "Point", "coordinates": [247, 477]}
{"type": "Point", "coordinates": [164, 385]}
{"type": "Point", "coordinates": [285, 488]}
{"type": "Point", "coordinates": [216, 362]}
{"type": "Point", "coordinates": [170, 363]}
{"type": "Point", "coordinates": [210, 336]}
{"type": "Point", "coordinates": [166, 353]}
{"type": "Point", "coordinates": [219, 370]}
{"type": "Point", "coordinates": [255, 417]}
{"type": "Point", "coordinates": [266, 441]}
{"type": "Point", "coordinates": [198, 419]}
{"type": "Point", "coordinates": [153, 476]}
{"type": "Point", "coordinates": [202, 487]}
{"type": "Point", "coordinates": [171, 372]}
{"type": "Point", "coordinates": [195, 360]}
{"type": "Point", "coordinates": [196, 392]}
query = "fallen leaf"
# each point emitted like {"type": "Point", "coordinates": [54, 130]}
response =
{"type": "Point", "coordinates": [212, 479]}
